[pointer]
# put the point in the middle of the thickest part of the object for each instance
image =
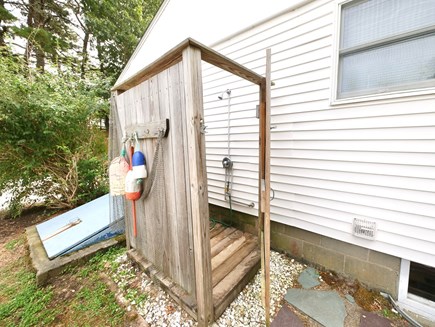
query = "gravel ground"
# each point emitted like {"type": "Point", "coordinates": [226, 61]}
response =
{"type": "Point", "coordinates": [158, 309]}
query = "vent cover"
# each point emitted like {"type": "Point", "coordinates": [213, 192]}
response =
{"type": "Point", "coordinates": [364, 228]}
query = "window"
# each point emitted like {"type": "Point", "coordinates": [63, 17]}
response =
{"type": "Point", "coordinates": [386, 46]}
{"type": "Point", "coordinates": [422, 281]}
{"type": "Point", "coordinates": [417, 288]}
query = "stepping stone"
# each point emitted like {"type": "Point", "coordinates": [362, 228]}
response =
{"type": "Point", "coordinates": [309, 278]}
{"type": "Point", "coordinates": [326, 307]}
{"type": "Point", "coordinates": [286, 318]}
{"type": "Point", "coordinates": [370, 319]}
{"type": "Point", "coordinates": [350, 298]}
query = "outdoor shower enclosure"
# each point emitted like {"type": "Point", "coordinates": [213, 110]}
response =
{"type": "Point", "coordinates": [172, 243]}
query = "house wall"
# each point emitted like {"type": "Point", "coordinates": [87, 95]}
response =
{"type": "Point", "coordinates": [200, 20]}
{"type": "Point", "coordinates": [330, 163]}
{"type": "Point", "coordinates": [374, 269]}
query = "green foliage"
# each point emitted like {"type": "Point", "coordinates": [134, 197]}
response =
{"type": "Point", "coordinates": [25, 299]}
{"type": "Point", "coordinates": [95, 298]}
{"type": "Point", "coordinates": [6, 15]}
{"type": "Point", "coordinates": [11, 245]}
{"type": "Point", "coordinates": [23, 303]}
{"type": "Point", "coordinates": [49, 144]}
{"type": "Point", "coordinates": [117, 27]}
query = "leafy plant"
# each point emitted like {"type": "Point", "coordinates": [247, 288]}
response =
{"type": "Point", "coordinates": [25, 299]}
{"type": "Point", "coordinates": [50, 146]}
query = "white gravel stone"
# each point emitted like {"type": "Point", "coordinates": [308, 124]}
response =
{"type": "Point", "coordinates": [158, 309]}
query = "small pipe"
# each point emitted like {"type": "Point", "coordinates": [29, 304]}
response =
{"type": "Point", "coordinates": [403, 313]}
{"type": "Point", "coordinates": [251, 204]}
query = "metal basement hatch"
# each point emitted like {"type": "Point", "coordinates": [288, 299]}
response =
{"type": "Point", "coordinates": [78, 228]}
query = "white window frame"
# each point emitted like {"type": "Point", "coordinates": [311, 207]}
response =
{"type": "Point", "coordinates": [411, 302]}
{"type": "Point", "coordinates": [334, 100]}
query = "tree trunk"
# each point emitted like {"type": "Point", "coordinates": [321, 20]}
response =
{"type": "Point", "coordinates": [35, 20]}
{"type": "Point", "coordinates": [2, 28]}
{"type": "Point", "coordinates": [30, 24]}
{"type": "Point", "coordinates": [85, 56]}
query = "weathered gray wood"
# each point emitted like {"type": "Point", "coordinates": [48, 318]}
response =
{"type": "Point", "coordinates": [171, 259]}
{"type": "Point", "coordinates": [184, 263]}
{"type": "Point", "coordinates": [265, 188]}
{"type": "Point", "coordinates": [148, 130]}
{"type": "Point", "coordinates": [229, 287]}
{"type": "Point", "coordinates": [216, 230]}
{"type": "Point", "coordinates": [185, 300]}
{"type": "Point", "coordinates": [230, 250]}
{"type": "Point", "coordinates": [231, 262]}
{"type": "Point", "coordinates": [173, 56]}
{"type": "Point", "coordinates": [186, 160]}
{"type": "Point", "coordinates": [198, 183]}
{"type": "Point", "coordinates": [217, 238]}
{"type": "Point", "coordinates": [158, 193]}
{"type": "Point", "coordinates": [224, 242]}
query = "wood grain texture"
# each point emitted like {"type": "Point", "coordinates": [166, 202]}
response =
{"type": "Point", "coordinates": [228, 288]}
{"type": "Point", "coordinates": [226, 253]}
{"type": "Point", "coordinates": [198, 183]}
{"type": "Point", "coordinates": [219, 237]}
{"type": "Point", "coordinates": [184, 299]}
{"type": "Point", "coordinates": [174, 55]}
{"type": "Point", "coordinates": [266, 194]}
{"type": "Point", "coordinates": [231, 262]}
{"type": "Point", "coordinates": [216, 230]}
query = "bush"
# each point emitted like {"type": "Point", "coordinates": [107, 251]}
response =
{"type": "Point", "coordinates": [50, 146]}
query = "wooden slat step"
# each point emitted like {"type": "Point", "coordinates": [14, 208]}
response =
{"type": "Point", "coordinates": [226, 232]}
{"type": "Point", "coordinates": [230, 250]}
{"type": "Point", "coordinates": [223, 243]}
{"type": "Point", "coordinates": [229, 287]}
{"type": "Point", "coordinates": [228, 265]}
{"type": "Point", "coordinates": [218, 228]}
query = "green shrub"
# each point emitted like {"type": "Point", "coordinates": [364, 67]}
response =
{"type": "Point", "coordinates": [50, 146]}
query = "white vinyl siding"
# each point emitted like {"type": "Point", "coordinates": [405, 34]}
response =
{"type": "Point", "coordinates": [330, 164]}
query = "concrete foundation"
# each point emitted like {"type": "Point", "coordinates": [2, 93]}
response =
{"type": "Point", "coordinates": [46, 268]}
{"type": "Point", "coordinates": [376, 270]}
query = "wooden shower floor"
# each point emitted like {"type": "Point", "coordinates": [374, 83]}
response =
{"type": "Point", "coordinates": [235, 260]}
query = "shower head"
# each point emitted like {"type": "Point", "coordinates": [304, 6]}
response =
{"type": "Point", "coordinates": [221, 96]}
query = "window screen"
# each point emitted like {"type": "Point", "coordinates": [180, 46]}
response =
{"type": "Point", "coordinates": [386, 45]}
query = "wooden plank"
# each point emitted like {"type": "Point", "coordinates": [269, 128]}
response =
{"type": "Point", "coordinates": [158, 194]}
{"type": "Point", "coordinates": [170, 259]}
{"type": "Point", "coordinates": [185, 300]}
{"type": "Point", "coordinates": [174, 55]}
{"type": "Point", "coordinates": [198, 183]}
{"type": "Point", "coordinates": [143, 223]}
{"type": "Point", "coordinates": [219, 237]}
{"type": "Point", "coordinates": [183, 263]}
{"type": "Point", "coordinates": [228, 265]}
{"type": "Point", "coordinates": [225, 63]}
{"type": "Point", "coordinates": [266, 192]}
{"type": "Point", "coordinates": [222, 244]}
{"type": "Point", "coordinates": [228, 288]}
{"type": "Point", "coordinates": [148, 130]}
{"type": "Point", "coordinates": [184, 122]}
{"type": "Point", "coordinates": [230, 250]}
{"type": "Point", "coordinates": [218, 228]}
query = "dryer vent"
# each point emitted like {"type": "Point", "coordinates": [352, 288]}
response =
{"type": "Point", "coordinates": [364, 228]}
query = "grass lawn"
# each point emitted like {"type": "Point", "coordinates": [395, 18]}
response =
{"type": "Point", "coordinates": [78, 297]}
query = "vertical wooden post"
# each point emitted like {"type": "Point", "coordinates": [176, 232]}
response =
{"type": "Point", "coordinates": [198, 184]}
{"type": "Point", "coordinates": [264, 185]}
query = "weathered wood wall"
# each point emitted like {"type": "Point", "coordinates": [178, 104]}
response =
{"type": "Point", "coordinates": [164, 219]}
